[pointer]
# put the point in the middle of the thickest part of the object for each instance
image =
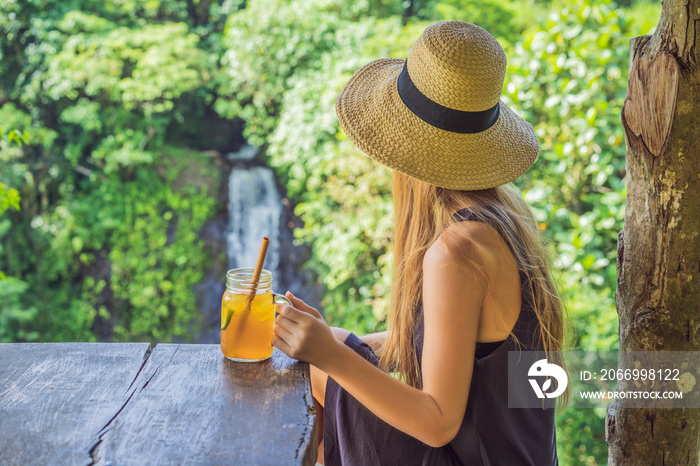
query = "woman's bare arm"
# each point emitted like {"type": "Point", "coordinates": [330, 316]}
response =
{"type": "Point", "coordinates": [375, 340]}
{"type": "Point", "coordinates": [433, 414]}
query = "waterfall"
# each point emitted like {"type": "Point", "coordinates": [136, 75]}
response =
{"type": "Point", "coordinates": [255, 209]}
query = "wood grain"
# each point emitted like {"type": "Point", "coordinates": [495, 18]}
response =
{"type": "Point", "coordinates": [185, 404]}
{"type": "Point", "coordinates": [650, 104]}
{"type": "Point", "coordinates": [56, 397]}
{"type": "Point", "coordinates": [193, 406]}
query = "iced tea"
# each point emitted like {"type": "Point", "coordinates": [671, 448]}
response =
{"type": "Point", "coordinates": [248, 335]}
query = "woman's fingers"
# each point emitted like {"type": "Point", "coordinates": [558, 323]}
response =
{"type": "Point", "coordinates": [285, 322]}
{"type": "Point", "coordinates": [283, 335]}
{"type": "Point", "coordinates": [301, 333]}
{"type": "Point", "coordinates": [291, 313]}
{"type": "Point", "coordinates": [302, 306]}
{"type": "Point", "coordinates": [286, 311]}
{"type": "Point", "coordinates": [282, 345]}
{"type": "Point", "coordinates": [282, 332]}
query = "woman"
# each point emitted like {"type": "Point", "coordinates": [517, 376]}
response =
{"type": "Point", "coordinates": [471, 280]}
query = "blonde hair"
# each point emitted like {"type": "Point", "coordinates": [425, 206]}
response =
{"type": "Point", "coordinates": [422, 213]}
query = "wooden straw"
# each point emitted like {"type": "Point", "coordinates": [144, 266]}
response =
{"type": "Point", "coordinates": [254, 281]}
{"type": "Point", "coordinates": [258, 269]}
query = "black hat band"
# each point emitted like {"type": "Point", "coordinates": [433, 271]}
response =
{"type": "Point", "coordinates": [446, 118]}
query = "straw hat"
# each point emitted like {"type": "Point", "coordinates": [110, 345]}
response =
{"type": "Point", "coordinates": [437, 116]}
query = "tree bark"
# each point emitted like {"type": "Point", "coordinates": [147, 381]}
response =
{"type": "Point", "coordinates": [658, 263]}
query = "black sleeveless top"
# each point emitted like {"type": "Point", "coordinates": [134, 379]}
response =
{"type": "Point", "coordinates": [491, 434]}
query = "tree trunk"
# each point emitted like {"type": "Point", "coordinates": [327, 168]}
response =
{"type": "Point", "coordinates": [658, 262]}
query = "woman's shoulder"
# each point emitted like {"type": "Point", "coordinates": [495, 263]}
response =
{"type": "Point", "coordinates": [473, 239]}
{"type": "Point", "coordinates": [462, 251]}
{"type": "Point", "coordinates": [455, 242]}
{"type": "Point", "coordinates": [476, 245]}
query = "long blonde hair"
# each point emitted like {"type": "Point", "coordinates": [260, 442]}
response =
{"type": "Point", "coordinates": [422, 213]}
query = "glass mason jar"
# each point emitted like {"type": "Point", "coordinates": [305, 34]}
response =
{"type": "Point", "coordinates": [246, 324]}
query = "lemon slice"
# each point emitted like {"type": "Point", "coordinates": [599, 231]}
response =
{"type": "Point", "coordinates": [227, 320]}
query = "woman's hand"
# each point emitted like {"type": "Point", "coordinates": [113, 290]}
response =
{"type": "Point", "coordinates": [301, 333]}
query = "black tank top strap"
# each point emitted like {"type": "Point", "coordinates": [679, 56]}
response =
{"type": "Point", "coordinates": [495, 217]}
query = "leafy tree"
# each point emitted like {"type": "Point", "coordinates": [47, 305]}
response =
{"type": "Point", "coordinates": [107, 242]}
{"type": "Point", "coordinates": [506, 20]}
{"type": "Point", "coordinates": [9, 197]}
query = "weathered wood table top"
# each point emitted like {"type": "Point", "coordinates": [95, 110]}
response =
{"type": "Point", "coordinates": [123, 403]}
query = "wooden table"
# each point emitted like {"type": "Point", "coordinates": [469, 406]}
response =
{"type": "Point", "coordinates": [125, 403]}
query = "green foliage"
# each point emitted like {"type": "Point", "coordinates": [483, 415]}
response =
{"type": "Point", "coordinates": [567, 77]}
{"type": "Point", "coordinates": [15, 319]}
{"type": "Point", "coordinates": [14, 136]}
{"type": "Point", "coordinates": [504, 19]}
{"type": "Point", "coordinates": [136, 245]}
{"type": "Point", "coordinates": [268, 44]}
{"type": "Point", "coordinates": [9, 197]}
{"type": "Point", "coordinates": [106, 245]}
{"type": "Point", "coordinates": [118, 95]}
